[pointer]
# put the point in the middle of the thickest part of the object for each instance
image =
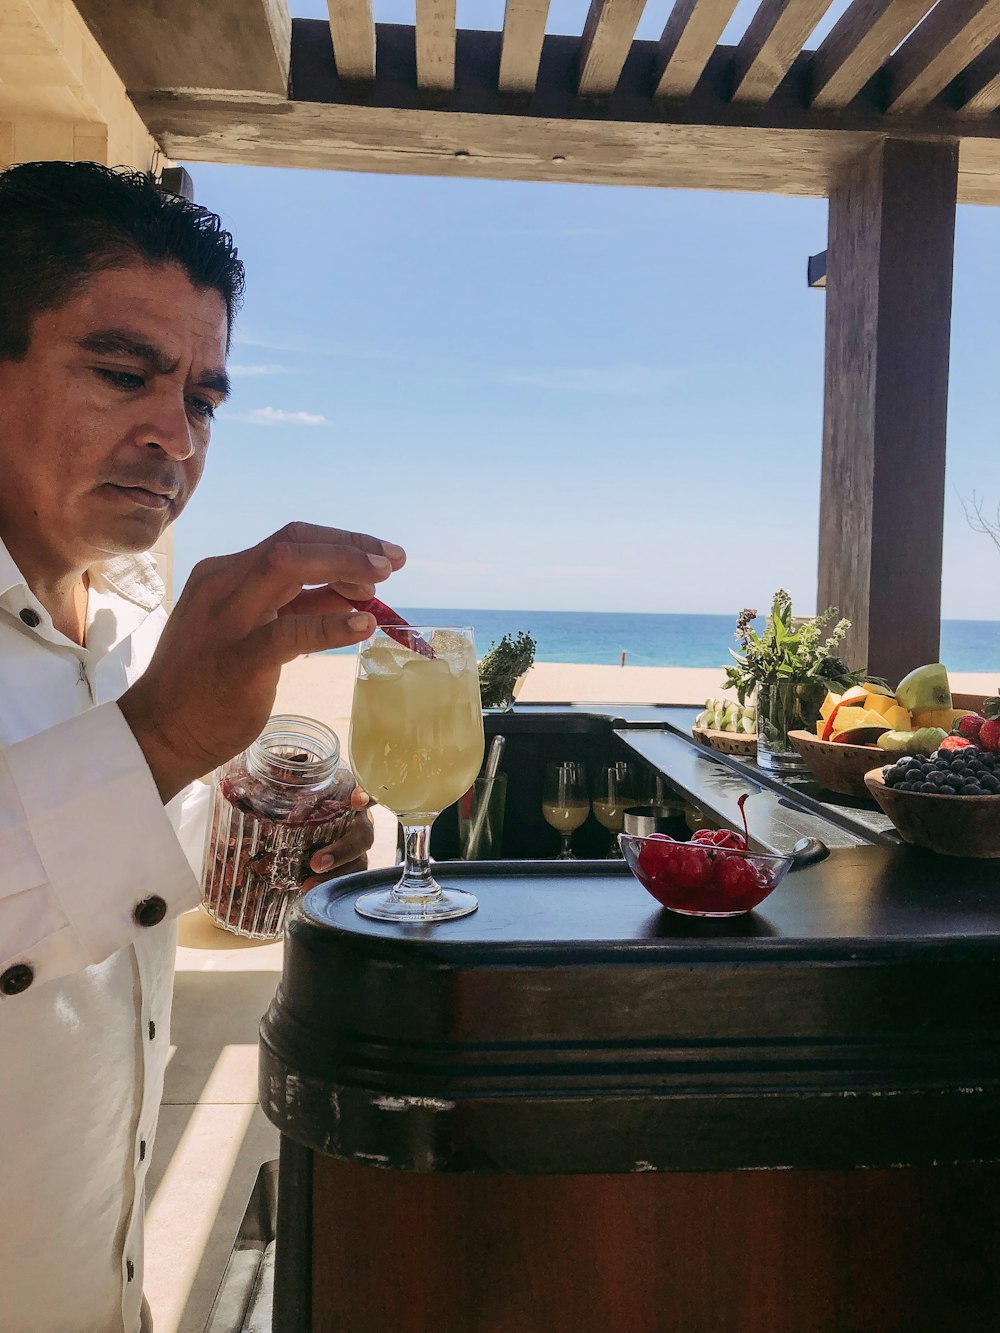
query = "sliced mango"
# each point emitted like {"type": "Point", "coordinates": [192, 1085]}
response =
{"type": "Point", "coordinates": [879, 703]}
{"type": "Point", "coordinates": [828, 705]}
{"type": "Point", "coordinates": [849, 718]}
{"type": "Point", "coordinates": [898, 719]}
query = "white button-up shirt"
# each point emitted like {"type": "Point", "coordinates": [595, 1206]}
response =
{"type": "Point", "coordinates": [84, 988]}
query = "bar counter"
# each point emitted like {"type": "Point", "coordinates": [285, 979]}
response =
{"type": "Point", "coordinates": [573, 1109]}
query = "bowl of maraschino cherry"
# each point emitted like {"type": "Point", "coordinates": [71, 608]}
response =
{"type": "Point", "coordinates": [715, 874]}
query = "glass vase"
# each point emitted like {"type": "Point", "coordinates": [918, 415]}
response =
{"type": "Point", "coordinates": [784, 706]}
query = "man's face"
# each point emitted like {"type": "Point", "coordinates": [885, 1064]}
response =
{"type": "Point", "coordinates": [105, 424]}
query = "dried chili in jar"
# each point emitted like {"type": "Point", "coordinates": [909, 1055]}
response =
{"type": "Point", "coordinates": [273, 805]}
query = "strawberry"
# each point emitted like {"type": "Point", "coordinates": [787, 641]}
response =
{"type": "Point", "coordinates": [956, 743]}
{"type": "Point", "coordinates": [989, 735]}
{"type": "Point", "coordinates": [969, 726]}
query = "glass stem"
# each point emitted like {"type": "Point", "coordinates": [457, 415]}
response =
{"type": "Point", "coordinates": [567, 848]}
{"type": "Point", "coordinates": [417, 881]}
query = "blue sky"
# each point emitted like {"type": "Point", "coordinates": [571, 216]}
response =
{"type": "Point", "coordinates": [556, 396]}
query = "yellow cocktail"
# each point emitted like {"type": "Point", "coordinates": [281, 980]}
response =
{"type": "Point", "coordinates": [416, 745]}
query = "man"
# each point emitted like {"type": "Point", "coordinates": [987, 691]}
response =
{"type": "Point", "coordinates": [116, 308]}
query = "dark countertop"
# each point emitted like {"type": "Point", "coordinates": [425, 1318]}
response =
{"type": "Point", "coordinates": [571, 1025]}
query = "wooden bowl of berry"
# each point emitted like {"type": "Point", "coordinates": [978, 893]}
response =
{"type": "Point", "coordinates": [715, 874]}
{"type": "Point", "coordinates": [948, 802]}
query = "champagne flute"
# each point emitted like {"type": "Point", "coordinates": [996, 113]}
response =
{"type": "Point", "coordinates": [416, 745]}
{"type": "Point", "coordinates": [616, 788]}
{"type": "Point", "coordinates": [565, 803]}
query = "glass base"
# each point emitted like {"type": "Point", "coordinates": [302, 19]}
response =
{"type": "Point", "coordinates": [684, 911]}
{"type": "Point", "coordinates": [392, 906]}
{"type": "Point", "coordinates": [780, 761]}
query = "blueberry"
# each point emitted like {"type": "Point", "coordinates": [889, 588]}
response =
{"type": "Point", "coordinates": [946, 789]}
{"type": "Point", "coordinates": [928, 787]}
{"type": "Point", "coordinates": [971, 789]}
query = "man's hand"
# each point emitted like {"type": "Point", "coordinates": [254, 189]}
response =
{"type": "Point", "coordinates": [210, 686]}
{"type": "Point", "coordinates": [350, 851]}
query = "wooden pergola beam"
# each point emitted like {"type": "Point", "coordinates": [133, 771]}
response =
{"type": "Point", "coordinates": [228, 45]}
{"type": "Point", "coordinates": [689, 38]}
{"type": "Point", "coordinates": [888, 324]}
{"type": "Point", "coordinates": [976, 91]}
{"type": "Point", "coordinates": [521, 44]}
{"type": "Point", "coordinates": [352, 29]}
{"type": "Point", "coordinates": [604, 47]}
{"type": "Point", "coordinates": [858, 45]}
{"type": "Point", "coordinates": [629, 139]}
{"type": "Point", "coordinates": [775, 37]}
{"type": "Point", "coordinates": [947, 41]}
{"type": "Point", "coordinates": [435, 39]}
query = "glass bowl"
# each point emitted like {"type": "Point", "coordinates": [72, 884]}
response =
{"type": "Point", "coordinates": [696, 879]}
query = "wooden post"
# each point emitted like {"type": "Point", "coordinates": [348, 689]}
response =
{"type": "Point", "coordinates": [888, 324]}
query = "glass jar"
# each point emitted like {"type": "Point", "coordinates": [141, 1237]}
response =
{"type": "Point", "coordinates": [784, 706]}
{"type": "Point", "coordinates": [273, 805]}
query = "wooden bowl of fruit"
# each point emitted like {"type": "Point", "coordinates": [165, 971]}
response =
{"type": "Point", "coordinates": [728, 727]}
{"type": "Point", "coordinates": [839, 766]}
{"type": "Point", "coordinates": [948, 802]}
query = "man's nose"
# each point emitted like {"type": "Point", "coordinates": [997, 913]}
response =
{"type": "Point", "coordinates": [169, 429]}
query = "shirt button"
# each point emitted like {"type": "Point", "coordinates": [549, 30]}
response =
{"type": "Point", "coordinates": [142, 1150]}
{"type": "Point", "coordinates": [31, 618]}
{"type": "Point", "coordinates": [150, 912]}
{"type": "Point", "coordinates": [17, 978]}
{"type": "Point", "coordinates": [129, 1269]}
{"type": "Point", "coordinates": [152, 1029]}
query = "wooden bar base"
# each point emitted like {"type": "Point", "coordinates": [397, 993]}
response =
{"type": "Point", "coordinates": [860, 1251]}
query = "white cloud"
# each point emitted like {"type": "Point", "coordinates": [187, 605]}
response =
{"type": "Point", "coordinates": [240, 371]}
{"type": "Point", "coordinates": [277, 416]}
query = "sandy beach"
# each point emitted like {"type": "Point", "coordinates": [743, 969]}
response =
{"type": "Point", "coordinates": [320, 686]}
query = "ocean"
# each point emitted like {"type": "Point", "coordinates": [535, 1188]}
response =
{"type": "Point", "coordinates": [599, 638]}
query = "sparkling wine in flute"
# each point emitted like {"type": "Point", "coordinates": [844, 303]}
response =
{"type": "Point", "coordinates": [416, 745]}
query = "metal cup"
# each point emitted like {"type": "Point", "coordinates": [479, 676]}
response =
{"type": "Point", "coordinates": [642, 820]}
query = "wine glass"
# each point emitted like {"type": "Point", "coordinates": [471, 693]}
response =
{"type": "Point", "coordinates": [565, 802]}
{"type": "Point", "coordinates": [616, 788]}
{"type": "Point", "coordinates": [416, 745]}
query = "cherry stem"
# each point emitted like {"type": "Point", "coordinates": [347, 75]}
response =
{"type": "Point", "coordinates": [741, 803]}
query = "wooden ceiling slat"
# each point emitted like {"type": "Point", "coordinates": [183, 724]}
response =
{"type": "Point", "coordinates": [946, 43]}
{"type": "Point", "coordinates": [435, 39]}
{"type": "Point", "coordinates": [776, 35]}
{"type": "Point", "coordinates": [977, 89]}
{"type": "Point", "coordinates": [521, 49]}
{"type": "Point", "coordinates": [860, 43]}
{"type": "Point", "coordinates": [607, 37]}
{"type": "Point", "coordinates": [689, 38]}
{"type": "Point", "coordinates": [352, 28]}
{"type": "Point", "coordinates": [231, 45]}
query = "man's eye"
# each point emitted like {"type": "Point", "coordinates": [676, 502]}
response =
{"type": "Point", "coordinates": [202, 408]}
{"type": "Point", "coordinates": [122, 379]}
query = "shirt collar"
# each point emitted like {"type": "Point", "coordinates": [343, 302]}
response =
{"type": "Point", "coordinates": [133, 577]}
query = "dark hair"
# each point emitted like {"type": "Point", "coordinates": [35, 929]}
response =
{"type": "Point", "coordinates": [63, 222]}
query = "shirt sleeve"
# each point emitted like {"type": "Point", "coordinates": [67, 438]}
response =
{"type": "Point", "coordinates": [89, 858]}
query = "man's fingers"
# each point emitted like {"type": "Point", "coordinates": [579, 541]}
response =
{"type": "Point", "coordinates": [281, 572]}
{"type": "Point", "coordinates": [349, 846]}
{"type": "Point", "coordinates": [289, 636]}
